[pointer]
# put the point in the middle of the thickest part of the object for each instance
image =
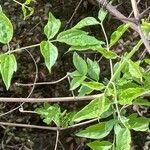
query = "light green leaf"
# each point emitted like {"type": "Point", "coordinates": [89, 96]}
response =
{"type": "Point", "coordinates": [123, 138]}
{"type": "Point", "coordinates": [84, 90]}
{"type": "Point", "coordinates": [50, 53]}
{"type": "Point", "coordinates": [6, 29]}
{"type": "Point", "coordinates": [107, 54]}
{"type": "Point", "coordinates": [80, 64]}
{"type": "Point", "coordinates": [77, 38]}
{"type": "Point", "coordinates": [146, 28]}
{"type": "Point", "coordinates": [27, 11]}
{"type": "Point", "coordinates": [93, 69]}
{"type": "Point", "coordinates": [52, 27]}
{"type": "Point", "coordinates": [8, 67]}
{"type": "Point", "coordinates": [49, 113]}
{"type": "Point", "coordinates": [76, 82]}
{"type": "Point", "coordinates": [97, 131]}
{"type": "Point", "coordinates": [88, 21]}
{"type": "Point", "coordinates": [147, 61]}
{"type": "Point", "coordinates": [116, 35]}
{"type": "Point", "coordinates": [142, 102]}
{"type": "Point", "coordinates": [134, 69]}
{"type": "Point", "coordinates": [100, 145]}
{"type": "Point", "coordinates": [138, 123]}
{"type": "Point", "coordinates": [93, 110]}
{"type": "Point", "coordinates": [102, 14]}
{"type": "Point", "coordinates": [86, 48]}
{"type": "Point", "coordinates": [128, 95]}
{"type": "Point", "coordinates": [94, 85]}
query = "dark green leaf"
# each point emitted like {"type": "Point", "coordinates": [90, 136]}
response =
{"type": "Point", "coordinates": [100, 145]}
{"type": "Point", "coordinates": [6, 29]}
{"type": "Point", "coordinates": [88, 21]}
{"type": "Point", "coordinates": [93, 69]}
{"type": "Point", "coordinates": [7, 67]}
{"type": "Point", "coordinates": [52, 27]}
{"type": "Point", "coordinates": [50, 53]}
{"type": "Point", "coordinates": [93, 110]}
{"type": "Point", "coordinates": [97, 131]}
{"type": "Point", "coordinates": [80, 64]}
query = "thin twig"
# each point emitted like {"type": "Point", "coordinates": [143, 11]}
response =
{"type": "Point", "coordinates": [42, 100]}
{"type": "Point", "coordinates": [57, 138]}
{"type": "Point", "coordinates": [43, 83]}
{"type": "Point", "coordinates": [46, 127]}
{"type": "Point", "coordinates": [77, 7]}
{"type": "Point", "coordinates": [21, 105]}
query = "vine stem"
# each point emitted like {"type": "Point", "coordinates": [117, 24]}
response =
{"type": "Point", "coordinates": [57, 99]}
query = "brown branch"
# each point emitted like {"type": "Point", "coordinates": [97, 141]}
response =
{"type": "Point", "coordinates": [58, 99]}
{"type": "Point", "coordinates": [117, 14]}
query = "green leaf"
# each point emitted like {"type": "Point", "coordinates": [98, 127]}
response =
{"type": "Point", "coordinates": [100, 145]}
{"type": "Point", "coordinates": [147, 61]}
{"type": "Point", "coordinates": [93, 69]}
{"type": "Point", "coordinates": [87, 47]}
{"type": "Point", "coordinates": [146, 28]}
{"type": "Point", "coordinates": [97, 131]}
{"type": "Point", "coordinates": [84, 90]}
{"type": "Point", "coordinates": [8, 67]}
{"type": "Point", "coordinates": [94, 85]}
{"type": "Point", "coordinates": [52, 27]}
{"type": "Point", "coordinates": [128, 95]}
{"type": "Point", "coordinates": [49, 52]}
{"type": "Point", "coordinates": [88, 21]}
{"type": "Point", "coordinates": [123, 138]}
{"type": "Point", "coordinates": [142, 102]}
{"type": "Point", "coordinates": [77, 38]}
{"type": "Point", "coordinates": [6, 29]}
{"type": "Point", "coordinates": [134, 69]}
{"type": "Point", "coordinates": [138, 123]}
{"type": "Point", "coordinates": [49, 113]}
{"type": "Point", "coordinates": [76, 82]}
{"type": "Point", "coordinates": [80, 64]}
{"type": "Point", "coordinates": [93, 110]}
{"type": "Point", "coordinates": [27, 11]}
{"type": "Point", "coordinates": [107, 54]}
{"type": "Point", "coordinates": [116, 35]}
{"type": "Point", "coordinates": [102, 14]}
